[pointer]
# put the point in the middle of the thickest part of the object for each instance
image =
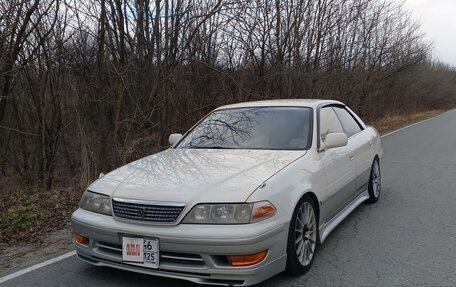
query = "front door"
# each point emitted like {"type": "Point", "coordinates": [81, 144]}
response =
{"type": "Point", "coordinates": [340, 168]}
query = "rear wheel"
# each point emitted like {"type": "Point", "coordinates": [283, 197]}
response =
{"type": "Point", "coordinates": [375, 182]}
{"type": "Point", "coordinates": [302, 237]}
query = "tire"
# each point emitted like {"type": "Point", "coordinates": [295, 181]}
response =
{"type": "Point", "coordinates": [375, 182]}
{"type": "Point", "coordinates": [300, 259]}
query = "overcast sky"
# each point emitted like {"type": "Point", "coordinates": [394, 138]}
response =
{"type": "Point", "coordinates": [438, 22]}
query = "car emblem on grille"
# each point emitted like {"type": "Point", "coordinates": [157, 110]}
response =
{"type": "Point", "coordinates": [142, 212]}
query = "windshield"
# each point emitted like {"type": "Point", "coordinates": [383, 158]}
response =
{"type": "Point", "coordinates": [287, 128]}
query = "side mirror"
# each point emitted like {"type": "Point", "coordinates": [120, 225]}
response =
{"type": "Point", "coordinates": [174, 138]}
{"type": "Point", "coordinates": [333, 140]}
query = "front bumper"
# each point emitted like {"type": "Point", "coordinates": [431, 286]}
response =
{"type": "Point", "coordinates": [191, 252]}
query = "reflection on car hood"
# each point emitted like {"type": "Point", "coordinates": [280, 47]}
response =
{"type": "Point", "coordinates": [195, 175]}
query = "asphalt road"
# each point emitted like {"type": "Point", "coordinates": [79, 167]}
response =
{"type": "Point", "coordinates": [407, 239]}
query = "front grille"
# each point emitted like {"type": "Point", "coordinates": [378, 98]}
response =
{"type": "Point", "coordinates": [147, 212]}
{"type": "Point", "coordinates": [166, 257]}
{"type": "Point", "coordinates": [112, 249]}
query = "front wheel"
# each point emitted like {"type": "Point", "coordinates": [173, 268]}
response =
{"type": "Point", "coordinates": [302, 237]}
{"type": "Point", "coordinates": [375, 182]}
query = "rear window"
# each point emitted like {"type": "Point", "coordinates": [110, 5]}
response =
{"type": "Point", "coordinates": [350, 125]}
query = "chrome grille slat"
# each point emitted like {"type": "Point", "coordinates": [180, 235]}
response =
{"type": "Point", "coordinates": [153, 212]}
{"type": "Point", "coordinates": [151, 209]}
{"type": "Point", "coordinates": [165, 256]}
{"type": "Point", "coordinates": [173, 257]}
{"type": "Point", "coordinates": [113, 247]}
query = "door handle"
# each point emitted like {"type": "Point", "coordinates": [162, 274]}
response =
{"type": "Point", "coordinates": [352, 156]}
{"type": "Point", "coordinates": [371, 144]}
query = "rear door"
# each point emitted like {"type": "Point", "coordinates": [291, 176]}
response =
{"type": "Point", "coordinates": [361, 144]}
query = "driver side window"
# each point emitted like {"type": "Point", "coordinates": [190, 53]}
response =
{"type": "Point", "coordinates": [329, 122]}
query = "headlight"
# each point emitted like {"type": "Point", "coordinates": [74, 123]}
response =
{"type": "Point", "coordinates": [230, 213]}
{"type": "Point", "coordinates": [96, 202]}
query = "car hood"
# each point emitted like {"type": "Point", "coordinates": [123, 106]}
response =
{"type": "Point", "coordinates": [195, 175]}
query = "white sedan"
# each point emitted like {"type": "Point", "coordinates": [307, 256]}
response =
{"type": "Point", "coordinates": [248, 192]}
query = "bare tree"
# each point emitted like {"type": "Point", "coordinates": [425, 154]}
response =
{"type": "Point", "coordinates": [88, 85]}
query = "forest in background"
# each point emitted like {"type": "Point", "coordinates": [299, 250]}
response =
{"type": "Point", "coordinates": [86, 86]}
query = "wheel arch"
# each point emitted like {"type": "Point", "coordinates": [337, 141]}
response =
{"type": "Point", "coordinates": [314, 198]}
{"type": "Point", "coordinates": [376, 157]}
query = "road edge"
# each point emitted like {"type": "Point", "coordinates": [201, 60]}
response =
{"type": "Point", "coordinates": [414, 124]}
{"type": "Point", "coordinates": [72, 253]}
{"type": "Point", "coordinates": [37, 266]}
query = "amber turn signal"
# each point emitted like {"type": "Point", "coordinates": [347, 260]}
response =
{"type": "Point", "coordinates": [80, 239]}
{"type": "Point", "coordinates": [262, 209]}
{"type": "Point", "coordinates": [246, 260]}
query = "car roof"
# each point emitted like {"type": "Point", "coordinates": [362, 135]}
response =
{"type": "Point", "coordinates": [312, 103]}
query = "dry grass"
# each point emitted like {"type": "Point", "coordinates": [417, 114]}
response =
{"type": "Point", "coordinates": [27, 214]}
{"type": "Point", "coordinates": [393, 122]}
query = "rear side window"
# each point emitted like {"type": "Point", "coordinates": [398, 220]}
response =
{"type": "Point", "coordinates": [329, 122]}
{"type": "Point", "coordinates": [350, 125]}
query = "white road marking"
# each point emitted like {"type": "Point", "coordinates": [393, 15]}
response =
{"type": "Point", "coordinates": [69, 254]}
{"type": "Point", "coordinates": [411, 125]}
{"type": "Point", "coordinates": [37, 266]}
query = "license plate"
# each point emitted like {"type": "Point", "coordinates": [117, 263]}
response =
{"type": "Point", "coordinates": [141, 251]}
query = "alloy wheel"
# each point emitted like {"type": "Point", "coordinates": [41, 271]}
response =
{"type": "Point", "coordinates": [305, 233]}
{"type": "Point", "coordinates": [376, 179]}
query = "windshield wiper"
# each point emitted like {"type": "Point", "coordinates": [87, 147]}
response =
{"type": "Point", "coordinates": [212, 147]}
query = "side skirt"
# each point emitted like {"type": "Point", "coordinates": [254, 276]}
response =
{"type": "Point", "coordinates": [329, 226]}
